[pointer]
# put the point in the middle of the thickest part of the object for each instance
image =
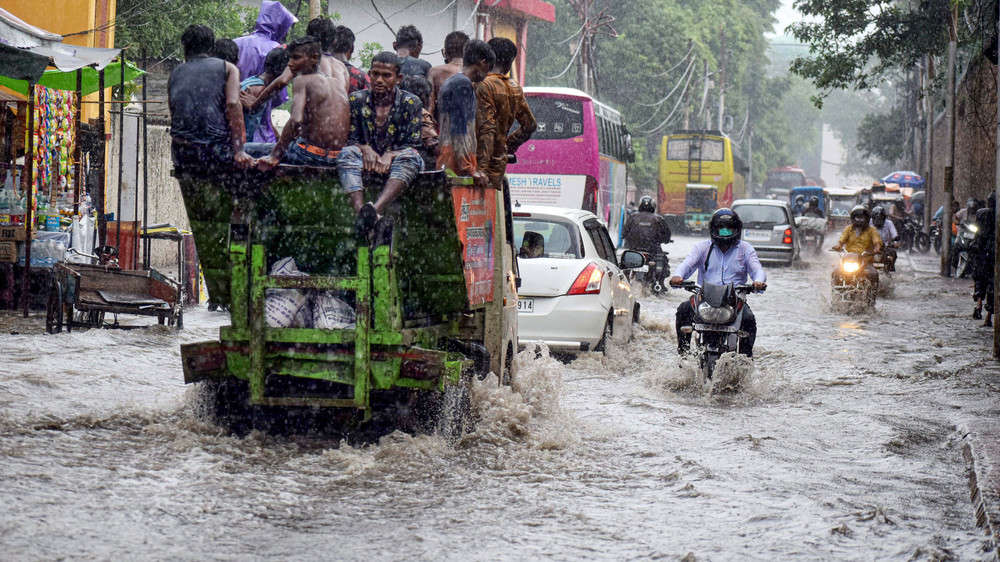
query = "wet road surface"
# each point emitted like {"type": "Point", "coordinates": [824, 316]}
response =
{"type": "Point", "coordinates": [843, 444]}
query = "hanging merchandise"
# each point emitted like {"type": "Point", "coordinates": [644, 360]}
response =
{"type": "Point", "coordinates": [54, 135]}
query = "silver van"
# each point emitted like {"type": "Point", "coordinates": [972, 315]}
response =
{"type": "Point", "coordinates": [768, 227]}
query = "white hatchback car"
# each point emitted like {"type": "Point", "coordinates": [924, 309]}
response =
{"type": "Point", "coordinates": [574, 295]}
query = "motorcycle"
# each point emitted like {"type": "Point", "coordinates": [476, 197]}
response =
{"type": "Point", "coordinates": [911, 235]}
{"type": "Point", "coordinates": [848, 284]}
{"type": "Point", "coordinates": [963, 249]}
{"type": "Point", "coordinates": [653, 276]}
{"type": "Point", "coordinates": [935, 235]}
{"type": "Point", "coordinates": [718, 317]}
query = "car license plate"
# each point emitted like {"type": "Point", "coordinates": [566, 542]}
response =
{"type": "Point", "coordinates": [525, 305]}
{"type": "Point", "coordinates": [757, 235]}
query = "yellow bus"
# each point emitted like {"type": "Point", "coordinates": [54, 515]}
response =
{"type": "Point", "coordinates": [697, 159]}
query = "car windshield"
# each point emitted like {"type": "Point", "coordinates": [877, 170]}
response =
{"type": "Point", "coordinates": [560, 238]}
{"type": "Point", "coordinates": [761, 215]}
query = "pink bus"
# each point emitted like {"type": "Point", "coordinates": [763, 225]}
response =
{"type": "Point", "coordinates": [577, 158]}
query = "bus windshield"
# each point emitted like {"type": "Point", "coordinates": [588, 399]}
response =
{"type": "Point", "coordinates": [557, 118]}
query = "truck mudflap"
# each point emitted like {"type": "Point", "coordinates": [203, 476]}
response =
{"type": "Point", "coordinates": [203, 361]}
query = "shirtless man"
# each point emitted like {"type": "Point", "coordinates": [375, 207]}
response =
{"type": "Point", "coordinates": [454, 47]}
{"type": "Point", "coordinates": [322, 30]}
{"type": "Point", "coordinates": [320, 119]}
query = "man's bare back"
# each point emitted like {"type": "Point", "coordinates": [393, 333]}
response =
{"type": "Point", "coordinates": [327, 114]}
{"type": "Point", "coordinates": [437, 76]}
{"type": "Point", "coordinates": [337, 70]}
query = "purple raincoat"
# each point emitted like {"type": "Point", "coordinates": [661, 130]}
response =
{"type": "Point", "coordinates": [273, 23]}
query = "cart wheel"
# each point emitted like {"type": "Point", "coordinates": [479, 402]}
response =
{"type": "Point", "coordinates": [95, 319]}
{"type": "Point", "coordinates": [54, 309]}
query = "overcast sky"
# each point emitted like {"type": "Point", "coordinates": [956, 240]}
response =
{"type": "Point", "coordinates": [786, 15]}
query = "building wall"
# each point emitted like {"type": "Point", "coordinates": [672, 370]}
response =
{"type": "Point", "coordinates": [164, 201]}
{"type": "Point", "coordinates": [975, 138]}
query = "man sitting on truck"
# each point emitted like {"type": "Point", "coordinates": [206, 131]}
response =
{"type": "Point", "coordinates": [206, 119]}
{"type": "Point", "coordinates": [318, 139]}
{"type": "Point", "coordinates": [383, 140]}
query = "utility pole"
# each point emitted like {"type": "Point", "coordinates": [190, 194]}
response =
{"type": "Point", "coordinates": [996, 231]}
{"type": "Point", "coordinates": [592, 25]}
{"type": "Point", "coordinates": [929, 143]}
{"type": "Point", "coordinates": [949, 166]}
{"type": "Point", "coordinates": [704, 94]}
{"type": "Point", "coordinates": [722, 80]}
{"type": "Point", "coordinates": [750, 160]}
{"type": "Point", "coordinates": [314, 9]}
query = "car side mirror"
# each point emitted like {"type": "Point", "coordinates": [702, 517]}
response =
{"type": "Point", "coordinates": [631, 259]}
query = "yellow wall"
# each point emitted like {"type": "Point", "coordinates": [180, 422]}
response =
{"type": "Point", "coordinates": [71, 16]}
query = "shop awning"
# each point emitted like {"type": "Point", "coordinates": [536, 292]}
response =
{"type": "Point", "coordinates": [20, 36]}
{"type": "Point", "coordinates": [59, 80]}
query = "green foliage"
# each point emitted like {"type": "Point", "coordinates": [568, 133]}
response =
{"type": "Point", "coordinates": [367, 53]}
{"type": "Point", "coordinates": [883, 135]}
{"type": "Point", "coordinates": [155, 26]}
{"type": "Point", "coordinates": [854, 43]}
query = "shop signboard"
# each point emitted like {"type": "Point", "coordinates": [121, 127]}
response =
{"type": "Point", "coordinates": [14, 233]}
{"type": "Point", "coordinates": [8, 252]}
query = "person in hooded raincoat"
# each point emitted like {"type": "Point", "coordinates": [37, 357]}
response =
{"type": "Point", "coordinates": [273, 23]}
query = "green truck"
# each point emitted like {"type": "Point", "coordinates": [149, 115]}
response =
{"type": "Point", "coordinates": [433, 294]}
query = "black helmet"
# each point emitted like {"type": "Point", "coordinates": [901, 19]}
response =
{"type": "Point", "coordinates": [726, 228]}
{"type": "Point", "coordinates": [860, 216]}
{"type": "Point", "coordinates": [814, 201]}
{"type": "Point", "coordinates": [799, 199]}
{"type": "Point", "coordinates": [878, 216]}
{"type": "Point", "coordinates": [646, 205]}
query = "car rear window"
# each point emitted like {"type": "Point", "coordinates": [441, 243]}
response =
{"type": "Point", "coordinates": [761, 215]}
{"type": "Point", "coordinates": [561, 237]}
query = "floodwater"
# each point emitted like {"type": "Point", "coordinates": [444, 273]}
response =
{"type": "Point", "coordinates": [844, 443]}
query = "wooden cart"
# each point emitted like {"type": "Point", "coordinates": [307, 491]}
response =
{"type": "Point", "coordinates": [82, 294]}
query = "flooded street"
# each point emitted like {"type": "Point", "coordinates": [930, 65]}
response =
{"type": "Point", "coordinates": [844, 444]}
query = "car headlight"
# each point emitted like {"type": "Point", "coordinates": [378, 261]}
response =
{"type": "Point", "coordinates": [709, 313]}
{"type": "Point", "coordinates": [851, 266]}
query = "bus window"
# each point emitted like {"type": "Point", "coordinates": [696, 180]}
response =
{"type": "Point", "coordinates": [557, 118]}
{"type": "Point", "coordinates": [690, 148]}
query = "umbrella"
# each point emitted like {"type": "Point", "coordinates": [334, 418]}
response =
{"type": "Point", "coordinates": [904, 179]}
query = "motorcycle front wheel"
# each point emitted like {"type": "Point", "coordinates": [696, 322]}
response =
{"type": "Point", "coordinates": [922, 242]}
{"type": "Point", "coordinates": [962, 267]}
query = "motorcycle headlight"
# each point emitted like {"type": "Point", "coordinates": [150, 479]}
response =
{"type": "Point", "coordinates": [973, 228]}
{"type": "Point", "coordinates": [714, 315]}
{"type": "Point", "coordinates": [851, 266]}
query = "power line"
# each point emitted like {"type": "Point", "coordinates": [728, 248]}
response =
{"type": "Point", "coordinates": [672, 111]}
{"type": "Point", "coordinates": [680, 62]}
{"type": "Point", "coordinates": [576, 53]}
{"type": "Point", "coordinates": [666, 97]}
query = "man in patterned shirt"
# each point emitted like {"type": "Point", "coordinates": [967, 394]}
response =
{"type": "Point", "coordinates": [383, 140]}
{"type": "Point", "coordinates": [343, 50]}
{"type": "Point", "coordinates": [501, 102]}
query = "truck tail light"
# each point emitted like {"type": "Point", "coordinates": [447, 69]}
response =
{"type": "Point", "coordinates": [588, 282]}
